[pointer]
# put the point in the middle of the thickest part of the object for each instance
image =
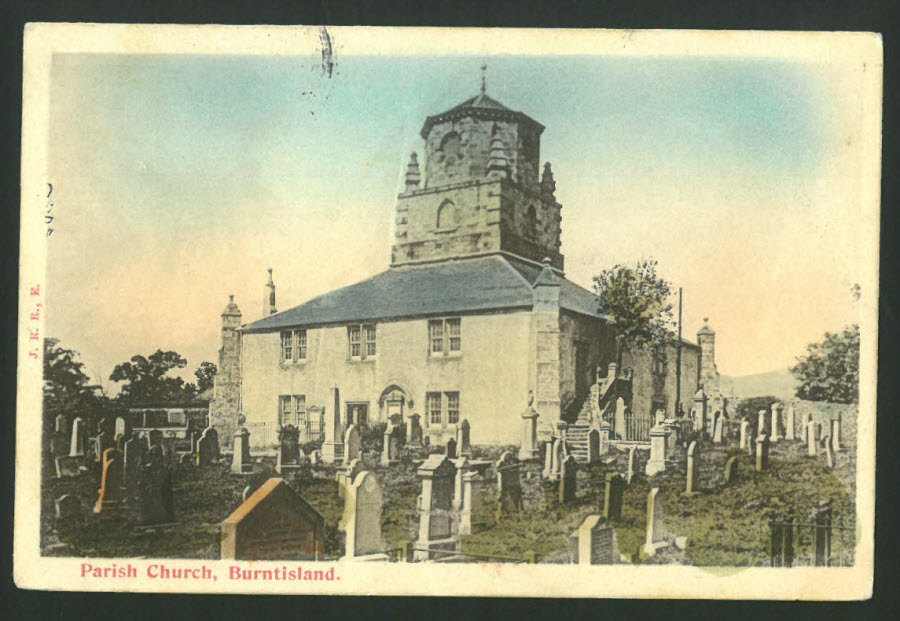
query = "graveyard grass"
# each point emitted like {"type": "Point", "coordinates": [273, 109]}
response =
{"type": "Point", "coordinates": [724, 526]}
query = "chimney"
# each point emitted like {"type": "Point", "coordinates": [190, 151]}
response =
{"type": "Point", "coordinates": [269, 300]}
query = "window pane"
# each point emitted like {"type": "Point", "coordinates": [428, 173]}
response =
{"type": "Point", "coordinates": [370, 339]}
{"type": "Point", "coordinates": [286, 341]}
{"type": "Point", "coordinates": [452, 407]}
{"type": "Point", "coordinates": [453, 327]}
{"type": "Point", "coordinates": [354, 333]}
{"type": "Point", "coordinates": [433, 405]}
{"type": "Point", "coordinates": [301, 344]}
{"type": "Point", "coordinates": [436, 336]}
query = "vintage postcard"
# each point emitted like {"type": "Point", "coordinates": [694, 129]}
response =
{"type": "Point", "coordinates": [537, 313]}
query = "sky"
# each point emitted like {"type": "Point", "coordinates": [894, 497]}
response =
{"type": "Point", "coordinates": [179, 179]}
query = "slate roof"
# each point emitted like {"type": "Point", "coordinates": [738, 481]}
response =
{"type": "Point", "coordinates": [480, 106]}
{"type": "Point", "coordinates": [484, 284]}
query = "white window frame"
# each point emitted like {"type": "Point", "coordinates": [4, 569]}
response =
{"type": "Point", "coordinates": [366, 347]}
{"type": "Point", "coordinates": [441, 339]}
{"type": "Point", "coordinates": [287, 345]}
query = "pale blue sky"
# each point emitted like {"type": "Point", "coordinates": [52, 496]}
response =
{"type": "Point", "coordinates": [179, 179]}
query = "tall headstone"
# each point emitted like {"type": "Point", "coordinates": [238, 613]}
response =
{"type": "Point", "coordinates": [156, 503]}
{"type": "Point", "coordinates": [241, 463]}
{"type": "Point", "coordinates": [462, 468]}
{"type": "Point", "coordinates": [731, 470]}
{"type": "Point", "coordinates": [811, 443]}
{"type": "Point", "coordinates": [414, 431]}
{"type": "Point", "coordinates": [110, 493]}
{"type": "Point", "coordinates": [700, 405]}
{"type": "Point", "coordinates": [593, 442]}
{"type": "Point", "coordinates": [121, 428]}
{"type": "Point", "coordinates": [274, 523]}
{"type": "Point", "coordinates": [333, 447]}
{"type": "Point", "coordinates": [557, 454]}
{"type": "Point", "coordinates": [761, 423]}
{"type": "Point", "coordinates": [437, 474]}
{"type": "Point", "coordinates": [718, 429]}
{"type": "Point", "coordinates": [61, 424]}
{"type": "Point", "coordinates": [351, 444]}
{"type": "Point", "coordinates": [804, 431]}
{"type": "Point", "coordinates": [548, 460]}
{"type": "Point", "coordinates": [509, 485]}
{"type": "Point", "coordinates": [593, 543]}
{"type": "Point", "coordinates": [656, 536]}
{"type": "Point", "coordinates": [471, 482]}
{"type": "Point", "coordinates": [789, 424]}
{"type": "Point", "coordinates": [363, 506]}
{"type": "Point", "coordinates": [529, 447]}
{"type": "Point", "coordinates": [208, 447]}
{"type": "Point", "coordinates": [612, 497]}
{"type": "Point", "coordinates": [776, 422]}
{"type": "Point", "coordinates": [620, 418]}
{"type": "Point", "coordinates": [762, 453]}
{"type": "Point", "coordinates": [836, 433]}
{"type": "Point", "coordinates": [829, 456]}
{"type": "Point", "coordinates": [745, 435]}
{"type": "Point", "coordinates": [605, 435]}
{"type": "Point", "coordinates": [103, 442]}
{"type": "Point", "coordinates": [657, 461]}
{"type": "Point", "coordinates": [463, 440]}
{"type": "Point", "coordinates": [693, 469]}
{"type": "Point", "coordinates": [392, 442]}
{"type": "Point", "coordinates": [567, 480]}
{"type": "Point", "coordinates": [346, 477]}
{"type": "Point", "coordinates": [133, 454]}
{"type": "Point", "coordinates": [631, 452]}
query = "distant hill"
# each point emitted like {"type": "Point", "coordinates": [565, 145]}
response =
{"type": "Point", "coordinates": [779, 384]}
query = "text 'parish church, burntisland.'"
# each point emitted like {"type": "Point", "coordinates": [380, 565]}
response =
{"type": "Point", "coordinates": [473, 313]}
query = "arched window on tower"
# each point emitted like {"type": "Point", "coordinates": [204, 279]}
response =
{"type": "Point", "coordinates": [447, 215]}
{"type": "Point", "coordinates": [450, 146]}
{"type": "Point", "coordinates": [531, 222]}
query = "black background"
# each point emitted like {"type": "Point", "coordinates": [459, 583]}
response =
{"type": "Point", "coordinates": [859, 15]}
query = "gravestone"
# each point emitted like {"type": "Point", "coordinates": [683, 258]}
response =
{"type": "Point", "coordinates": [620, 418]}
{"type": "Point", "coordinates": [362, 517]}
{"type": "Point", "coordinates": [593, 442]}
{"type": "Point", "coordinates": [605, 433]}
{"type": "Point", "coordinates": [351, 444]}
{"type": "Point", "coordinates": [656, 536]}
{"type": "Point", "coordinates": [103, 441]}
{"type": "Point", "coordinates": [273, 524]}
{"type": "Point", "coordinates": [333, 447]}
{"type": "Point", "coordinates": [471, 481]}
{"type": "Point", "coordinates": [631, 465]}
{"type": "Point", "coordinates": [59, 444]}
{"type": "Point", "coordinates": [829, 456]}
{"type": "Point", "coordinates": [567, 480]}
{"type": "Point", "coordinates": [557, 454]}
{"type": "Point", "coordinates": [451, 448]}
{"type": "Point", "coordinates": [693, 469]}
{"type": "Point", "coordinates": [110, 493]}
{"type": "Point", "coordinates": [548, 460]}
{"type": "Point", "coordinates": [61, 424]}
{"type": "Point", "coordinates": [68, 508]}
{"type": "Point", "coordinates": [836, 433]}
{"type": "Point", "coordinates": [593, 543]}
{"type": "Point", "coordinates": [529, 447]}
{"type": "Point", "coordinates": [789, 424]}
{"type": "Point", "coordinates": [207, 447]}
{"type": "Point", "coordinates": [288, 455]}
{"type": "Point", "coordinates": [657, 461]}
{"type": "Point", "coordinates": [762, 453]}
{"type": "Point", "coordinates": [810, 433]}
{"type": "Point", "coordinates": [462, 467]}
{"type": "Point", "coordinates": [807, 419]}
{"type": "Point", "coordinates": [246, 493]}
{"type": "Point", "coordinates": [120, 428]}
{"type": "Point", "coordinates": [745, 435]}
{"type": "Point", "coordinates": [68, 466]}
{"type": "Point", "coordinates": [346, 477]}
{"type": "Point", "coordinates": [509, 486]}
{"type": "Point", "coordinates": [731, 470]}
{"type": "Point", "coordinates": [392, 442]}
{"type": "Point", "coordinates": [132, 454]}
{"type": "Point", "coordinates": [241, 463]}
{"type": "Point", "coordinates": [156, 504]}
{"type": "Point", "coordinates": [437, 474]}
{"type": "Point", "coordinates": [718, 429]}
{"type": "Point", "coordinates": [761, 423]}
{"type": "Point", "coordinates": [612, 497]}
{"type": "Point", "coordinates": [414, 431]}
{"type": "Point", "coordinates": [776, 422]}
{"type": "Point", "coordinates": [463, 438]}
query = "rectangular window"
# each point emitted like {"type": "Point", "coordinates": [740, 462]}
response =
{"type": "Point", "coordinates": [300, 409]}
{"type": "Point", "coordinates": [361, 338]}
{"type": "Point", "coordinates": [453, 333]}
{"type": "Point", "coordinates": [287, 339]}
{"type": "Point", "coordinates": [436, 335]}
{"type": "Point", "coordinates": [286, 412]}
{"type": "Point", "coordinates": [444, 336]}
{"type": "Point", "coordinates": [354, 336]}
{"type": "Point", "coordinates": [370, 339]}
{"type": "Point", "coordinates": [452, 407]}
{"type": "Point", "coordinates": [301, 344]}
{"type": "Point", "coordinates": [433, 407]}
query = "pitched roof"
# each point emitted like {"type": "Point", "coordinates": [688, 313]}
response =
{"type": "Point", "coordinates": [482, 284]}
{"type": "Point", "coordinates": [480, 106]}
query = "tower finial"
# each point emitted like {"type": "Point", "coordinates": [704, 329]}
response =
{"type": "Point", "coordinates": [483, 75]}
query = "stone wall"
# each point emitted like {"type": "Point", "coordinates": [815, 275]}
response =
{"type": "Point", "coordinates": [643, 388]}
{"type": "Point", "coordinates": [600, 342]}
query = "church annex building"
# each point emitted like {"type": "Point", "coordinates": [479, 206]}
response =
{"type": "Point", "coordinates": [473, 313]}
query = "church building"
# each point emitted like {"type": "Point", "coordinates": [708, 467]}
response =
{"type": "Point", "coordinates": [472, 315]}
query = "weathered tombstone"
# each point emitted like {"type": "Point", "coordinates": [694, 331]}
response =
{"type": "Point", "coordinates": [110, 492]}
{"type": "Point", "coordinates": [593, 543]}
{"type": "Point", "coordinates": [273, 524]}
{"type": "Point", "coordinates": [392, 442]}
{"type": "Point", "coordinates": [620, 418]}
{"type": "Point", "coordinates": [761, 423]}
{"type": "Point", "coordinates": [829, 456]}
{"type": "Point", "coordinates": [68, 466]}
{"type": "Point", "coordinates": [593, 443]}
{"type": "Point", "coordinates": [807, 419]}
{"type": "Point", "coordinates": [363, 505]}
{"type": "Point", "coordinates": [68, 508]}
{"type": "Point", "coordinates": [836, 433]}
{"type": "Point", "coordinates": [59, 444]}
{"type": "Point", "coordinates": [437, 474]}
{"type": "Point", "coordinates": [548, 460]}
{"type": "Point", "coordinates": [509, 486]}
{"type": "Point", "coordinates": [103, 442]}
{"type": "Point", "coordinates": [288, 455]}
{"type": "Point", "coordinates": [567, 480]}
{"type": "Point", "coordinates": [351, 444]}
{"type": "Point", "coordinates": [347, 476]}
{"type": "Point", "coordinates": [612, 497]}
{"type": "Point", "coordinates": [731, 470]}
{"type": "Point", "coordinates": [762, 453]}
{"type": "Point", "coordinates": [630, 473]}
{"type": "Point", "coordinates": [332, 447]}
{"type": "Point", "coordinates": [745, 435]}
{"type": "Point", "coordinates": [471, 482]}
{"type": "Point", "coordinates": [120, 428]}
{"type": "Point", "coordinates": [656, 536]}
{"type": "Point", "coordinates": [207, 447]}
{"type": "Point", "coordinates": [810, 434]}
{"type": "Point", "coordinates": [529, 447]}
{"type": "Point", "coordinates": [451, 448]}
{"type": "Point", "coordinates": [463, 438]}
{"type": "Point", "coordinates": [246, 493]}
{"type": "Point", "coordinates": [605, 434]}
{"type": "Point", "coordinates": [462, 467]}
{"type": "Point", "coordinates": [414, 431]}
{"type": "Point", "coordinates": [657, 461]}
{"type": "Point", "coordinates": [557, 454]}
{"type": "Point", "coordinates": [776, 422]}
{"type": "Point", "coordinates": [718, 429]}
{"type": "Point", "coordinates": [132, 454]}
{"type": "Point", "coordinates": [693, 469]}
{"type": "Point", "coordinates": [789, 424]}
{"type": "Point", "coordinates": [61, 424]}
{"type": "Point", "coordinates": [156, 504]}
{"type": "Point", "coordinates": [241, 463]}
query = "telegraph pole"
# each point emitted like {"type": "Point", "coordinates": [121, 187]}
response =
{"type": "Point", "coordinates": [678, 361]}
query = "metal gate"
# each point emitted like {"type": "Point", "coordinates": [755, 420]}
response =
{"type": "Point", "coordinates": [822, 542]}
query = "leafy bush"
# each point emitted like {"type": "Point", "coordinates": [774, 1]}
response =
{"type": "Point", "coordinates": [749, 408]}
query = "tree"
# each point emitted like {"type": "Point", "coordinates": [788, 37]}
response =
{"type": "Point", "coordinates": [830, 369]}
{"type": "Point", "coordinates": [205, 374]}
{"type": "Point", "coordinates": [638, 299]}
{"type": "Point", "coordinates": [147, 380]}
{"type": "Point", "coordinates": [65, 382]}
